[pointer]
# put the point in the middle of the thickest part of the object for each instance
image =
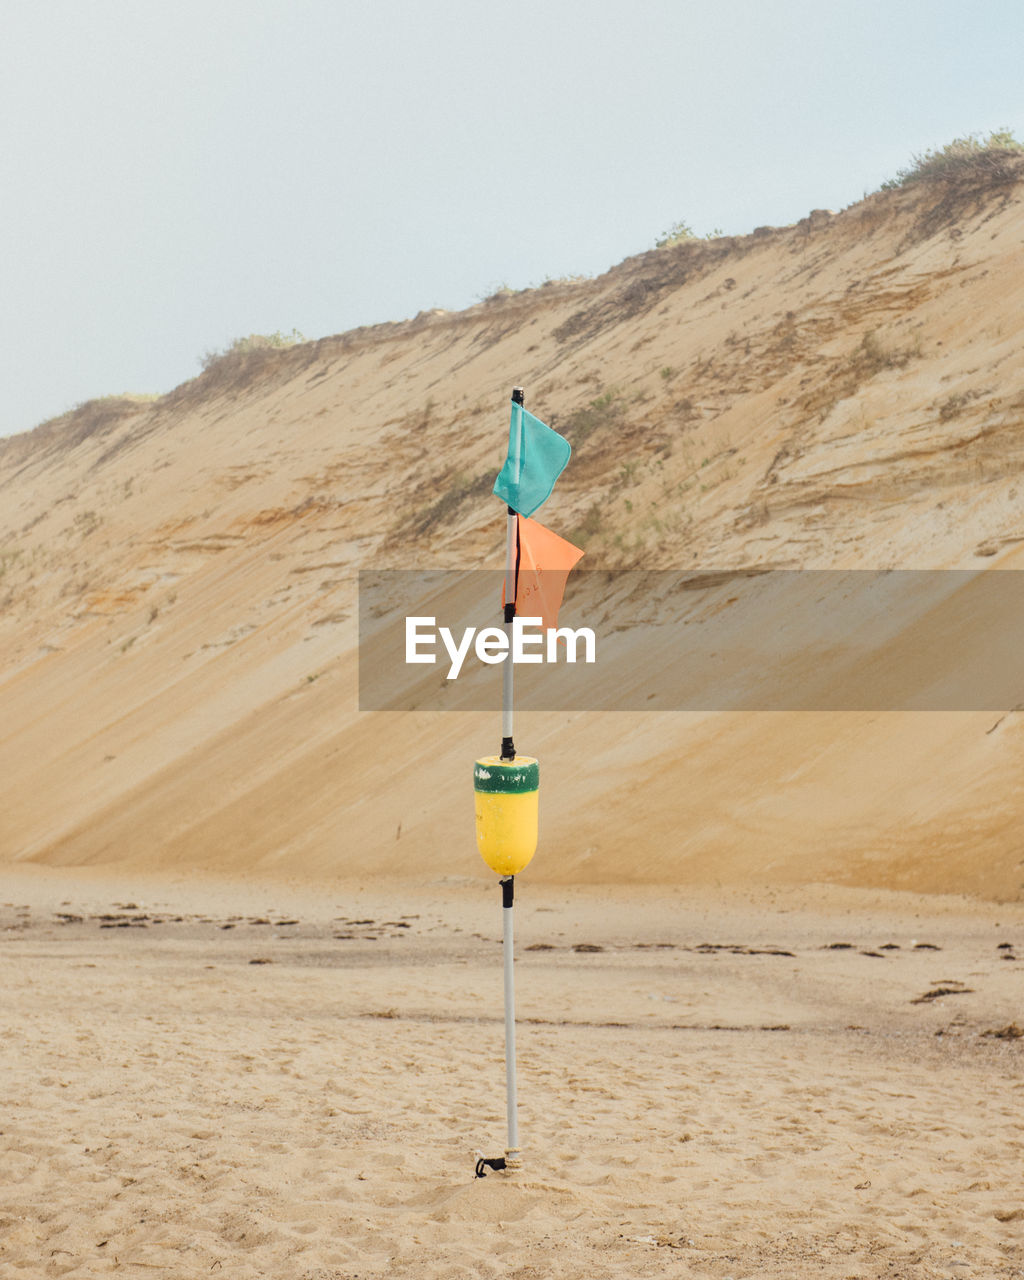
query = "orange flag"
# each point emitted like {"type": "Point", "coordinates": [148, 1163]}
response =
{"type": "Point", "coordinates": [543, 564]}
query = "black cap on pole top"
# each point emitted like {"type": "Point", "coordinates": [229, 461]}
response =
{"type": "Point", "coordinates": [517, 395]}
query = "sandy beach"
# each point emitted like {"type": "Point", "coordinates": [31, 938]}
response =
{"type": "Point", "coordinates": [247, 1079]}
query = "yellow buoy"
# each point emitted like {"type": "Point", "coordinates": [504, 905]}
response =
{"type": "Point", "coordinates": [506, 793]}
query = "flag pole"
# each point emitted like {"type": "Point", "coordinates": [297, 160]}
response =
{"type": "Point", "coordinates": [513, 1158]}
{"type": "Point", "coordinates": [513, 1155]}
{"type": "Point", "coordinates": [506, 786]}
{"type": "Point", "coordinates": [508, 748]}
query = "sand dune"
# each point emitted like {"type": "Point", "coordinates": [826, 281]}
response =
{"type": "Point", "coordinates": [177, 643]}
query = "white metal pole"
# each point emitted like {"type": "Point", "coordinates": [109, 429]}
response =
{"type": "Point", "coordinates": [512, 1152]}
{"type": "Point", "coordinates": [508, 752]}
{"type": "Point", "coordinates": [508, 667]}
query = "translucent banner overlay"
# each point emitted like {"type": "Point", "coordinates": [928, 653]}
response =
{"type": "Point", "coordinates": [666, 640]}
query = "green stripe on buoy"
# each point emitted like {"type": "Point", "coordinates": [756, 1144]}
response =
{"type": "Point", "coordinates": [506, 777]}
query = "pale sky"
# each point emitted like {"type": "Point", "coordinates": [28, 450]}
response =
{"type": "Point", "coordinates": [178, 173]}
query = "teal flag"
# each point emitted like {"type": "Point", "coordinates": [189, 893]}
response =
{"type": "Point", "coordinates": [536, 458]}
